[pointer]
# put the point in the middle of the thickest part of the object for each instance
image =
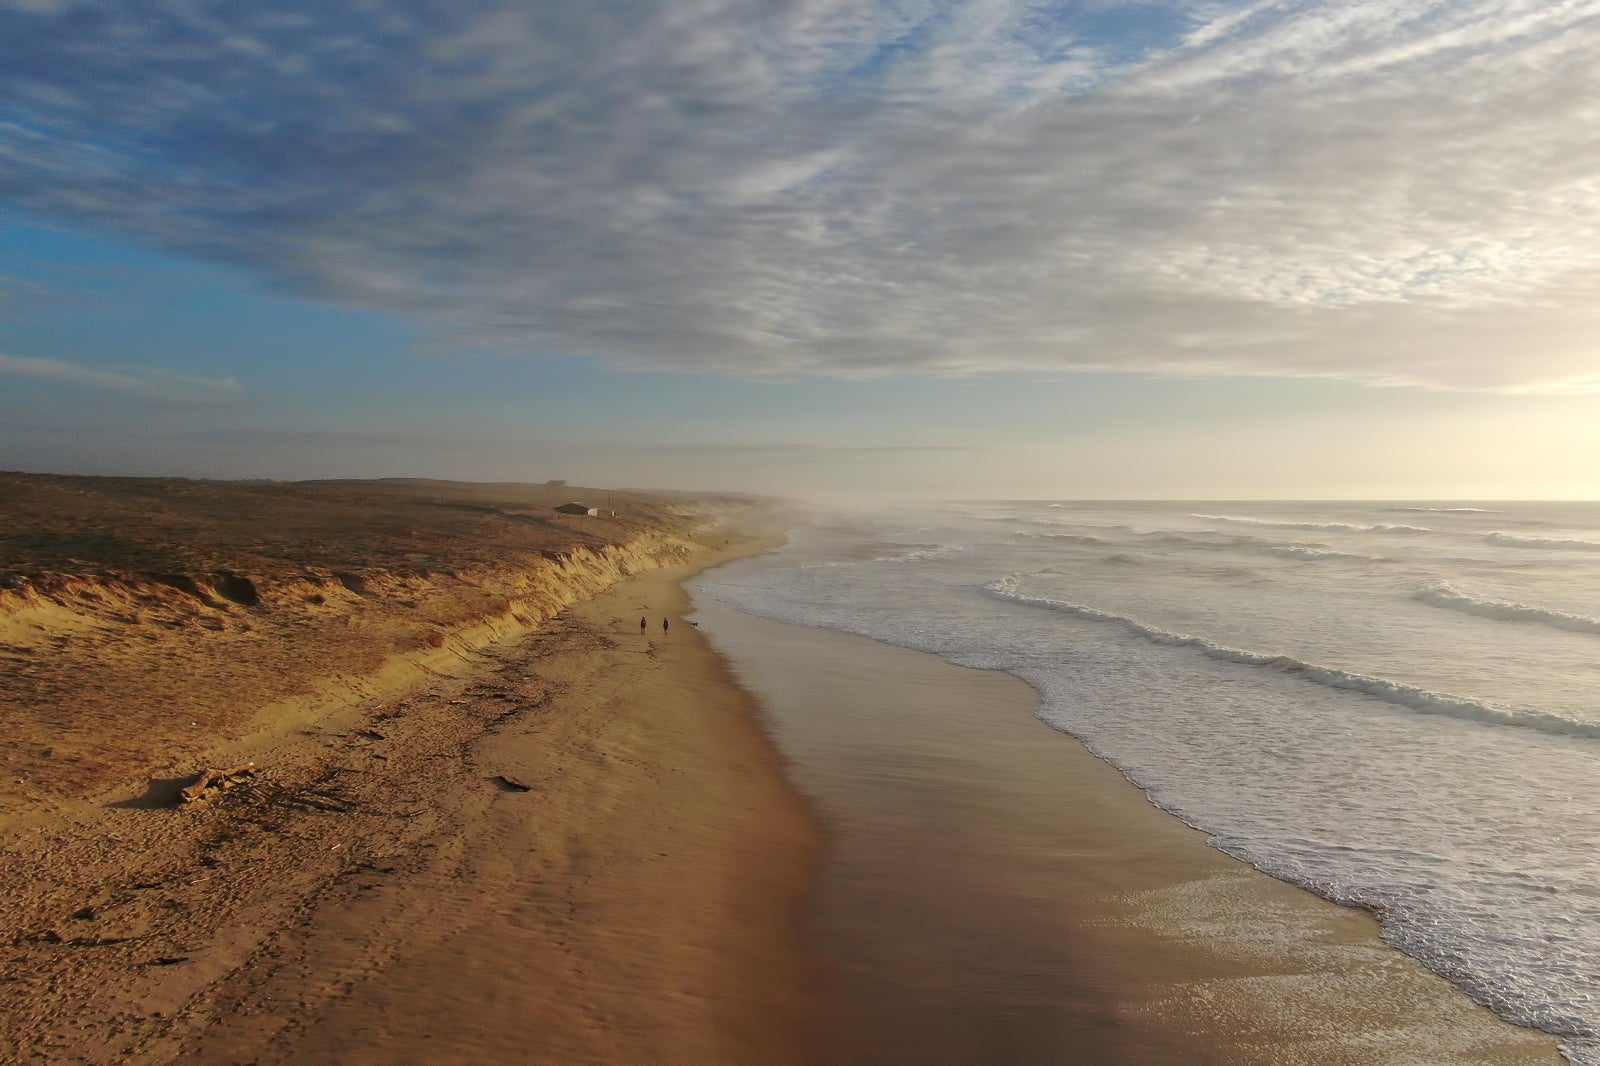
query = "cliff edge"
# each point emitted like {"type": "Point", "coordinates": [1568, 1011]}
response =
{"type": "Point", "coordinates": [146, 624]}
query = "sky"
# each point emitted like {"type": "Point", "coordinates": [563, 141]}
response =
{"type": "Point", "coordinates": [827, 248]}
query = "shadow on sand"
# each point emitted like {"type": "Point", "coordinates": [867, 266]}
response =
{"type": "Point", "coordinates": [160, 792]}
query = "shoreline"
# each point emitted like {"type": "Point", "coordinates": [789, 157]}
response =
{"type": "Point", "coordinates": [677, 883]}
{"type": "Point", "coordinates": [996, 892]}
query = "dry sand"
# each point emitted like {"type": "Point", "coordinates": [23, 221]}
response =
{"type": "Point", "coordinates": [639, 904]}
{"type": "Point", "coordinates": [385, 895]}
{"type": "Point", "coordinates": [995, 893]}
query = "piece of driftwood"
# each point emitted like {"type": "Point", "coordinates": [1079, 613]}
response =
{"type": "Point", "coordinates": [210, 782]}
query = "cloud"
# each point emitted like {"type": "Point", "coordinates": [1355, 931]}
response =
{"type": "Point", "coordinates": [1398, 191]}
{"type": "Point", "coordinates": [137, 381]}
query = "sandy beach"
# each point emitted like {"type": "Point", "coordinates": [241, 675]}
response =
{"type": "Point", "coordinates": [547, 835]}
{"type": "Point", "coordinates": [567, 837]}
{"type": "Point", "coordinates": [391, 895]}
{"type": "Point", "coordinates": [637, 904]}
{"type": "Point", "coordinates": [995, 893]}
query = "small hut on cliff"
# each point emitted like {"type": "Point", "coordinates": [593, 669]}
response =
{"type": "Point", "coordinates": [577, 508]}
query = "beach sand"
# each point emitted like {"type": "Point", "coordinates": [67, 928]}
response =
{"type": "Point", "coordinates": [387, 891]}
{"type": "Point", "coordinates": [995, 893]}
{"type": "Point", "coordinates": [639, 904]}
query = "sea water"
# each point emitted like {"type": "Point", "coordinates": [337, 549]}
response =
{"type": "Point", "coordinates": [1394, 705]}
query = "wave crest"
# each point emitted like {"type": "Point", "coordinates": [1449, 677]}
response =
{"type": "Point", "coordinates": [1325, 527]}
{"type": "Point", "coordinates": [1443, 510]}
{"type": "Point", "coordinates": [1308, 551]}
{"type": "Point", "coordinates": [1511, 540]}
{"type": "Point", "coordinates": [1218, 541]}
{"type": "Point", "coordinates": [1068, 538]}
{"type": "Point", "coordinates": [1394, 692]}
{"type": "Point", "coordinates": [1505, 610]}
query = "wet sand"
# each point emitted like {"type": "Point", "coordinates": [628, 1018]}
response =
{"type": "Point", "coordinates": [994, 893]}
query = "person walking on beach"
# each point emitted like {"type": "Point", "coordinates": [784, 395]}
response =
{"type": "Point", "coordinates": [663, 625]}
{"type": "Point", "coordinates": [641, 625]}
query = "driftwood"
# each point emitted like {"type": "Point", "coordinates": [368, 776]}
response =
{"type": "Point", "coordinates": [210, 782]}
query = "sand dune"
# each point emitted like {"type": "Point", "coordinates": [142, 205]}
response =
{"type": "Point", "coordinates": [143, 620]}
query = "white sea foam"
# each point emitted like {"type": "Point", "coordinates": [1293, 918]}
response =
{"type": "Point", "coordinates": [1450, 599]}
{"type": "Point", "coordinates": [1511, 540]}
{"type": "Point", "coordinates": [1326, 527]}
{"type": "Point", "coordinates": [1395, 692]}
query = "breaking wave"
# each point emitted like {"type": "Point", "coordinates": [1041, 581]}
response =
{"type": "Point", "coordinates": [1394, 692]}
{"type": "Point", "coordinates": [1068, 538]}
{"type": "Point", "coordinates": [1309, 551]}
{"type": "Point", "coordinates": [1199, 538]}
{"type": "Point", "coordinates": [1443, 510]}
{"type": "Point", "coordinates": [1511, 540]}
{"type": "Point", "coordinates": [1326, 527]}
{"type": "Point", "coordinates": [1505, 610]}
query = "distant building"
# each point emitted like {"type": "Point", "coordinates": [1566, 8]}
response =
{"type": "Point", "coordinates": [578, 508]}
{"type": "Point", "coordinates": [557, 483]}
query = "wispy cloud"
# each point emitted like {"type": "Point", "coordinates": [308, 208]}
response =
{"type": "Point", "coordinates": [1400, 191]}
{"type": "Point", "coordinates": [137, 381]}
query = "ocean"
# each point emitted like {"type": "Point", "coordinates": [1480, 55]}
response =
{"type": "Point", "coordinates": [1390, 704]}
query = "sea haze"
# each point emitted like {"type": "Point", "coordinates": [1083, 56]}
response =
{"type": "Point", "coordinates": [1391, 704]}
